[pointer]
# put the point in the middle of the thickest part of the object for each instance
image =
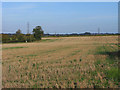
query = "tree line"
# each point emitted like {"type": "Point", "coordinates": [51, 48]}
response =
{"type": "Point", "coordinates": [20, 37]}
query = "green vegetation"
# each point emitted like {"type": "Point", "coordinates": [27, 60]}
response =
{"type": "Point", "coordinates": [75, 52]}
{"type": "Point", "coordinates": [109, 66]}
{"type": "Point", "coordinates": [49, 40]}
{"type": "Point", "coordinates": [9, 68]}
{"type": "Point", "coordinates": [12, 48]}
{"type": "Point", "coordinates": [80, 60]}
{"type": "Point", "coordinates": [113, 73]}
{"type": "Point", "coordinates": [38, 32]}
{"type": "Point", "coordinates": [19, 37]}
{"type": "Point", "coordinates": [31, 55]}
{"type": "Point", "coordinates": [74, 60]}
{"type": "Point", "coordinates": [19, 60]}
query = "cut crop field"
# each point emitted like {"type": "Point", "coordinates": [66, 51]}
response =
{"type": "Point", "coordinates": [61, 62]}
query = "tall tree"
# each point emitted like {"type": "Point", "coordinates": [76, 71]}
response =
{"type": "Point", "coordinates": [38, 32]}
{"type": "Point", "coordinates": [19, 36]}
{"type": "Point", "coordinates": [18, 32]}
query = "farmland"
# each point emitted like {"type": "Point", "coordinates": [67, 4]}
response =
{"type": "Point", "coordinates": [61, 62]}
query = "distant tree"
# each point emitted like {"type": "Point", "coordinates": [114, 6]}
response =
{"type": "Point", "coordinates": [5, 38]}
{"type": "Point", "coordinates": [38, 32]}
{"type": "Point", "coordinates": [19, 36]}
{"type": "Point", "coordinates": [87, 33]}
{"type": "Point", "coordinates": [29, 37]}
{"type": "Point", "coordinates": [18, 32]}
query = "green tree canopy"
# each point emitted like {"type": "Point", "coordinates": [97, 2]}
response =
{"type": "Point", "coordinates": [38, 32]}
{"type": "Point", "coordinates": [18, 32]}
{"type": "Point", "coordinates": [19, 36]}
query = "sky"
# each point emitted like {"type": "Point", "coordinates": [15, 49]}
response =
{"type": "Point", "coordinates": [60, 17]}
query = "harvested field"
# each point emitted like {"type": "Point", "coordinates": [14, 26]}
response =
{"type": "Point", "coordinates": [61, 62]}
